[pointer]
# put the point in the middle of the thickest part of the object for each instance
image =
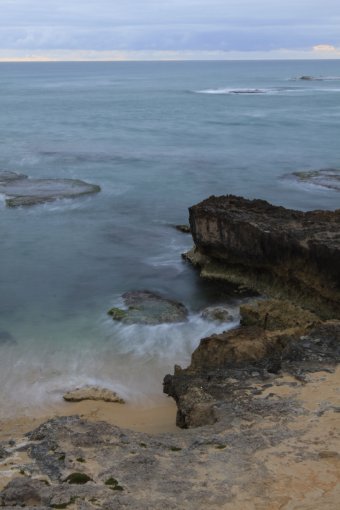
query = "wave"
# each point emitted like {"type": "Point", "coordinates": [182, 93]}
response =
{"type": "Point", "coordinates": [129, 359]}
{"type": "Point", "coordinates": [227, 91]}
{"type": "Point", "coordinates": [265, 91]}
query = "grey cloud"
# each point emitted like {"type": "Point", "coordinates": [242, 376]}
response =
{"type": "Point", "coordinates": [245, 25]}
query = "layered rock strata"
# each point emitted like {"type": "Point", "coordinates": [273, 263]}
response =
{"type": "Point", "coordinates": [282, 252]}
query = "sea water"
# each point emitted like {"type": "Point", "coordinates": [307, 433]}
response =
{"type": "Point", "coordinates": [157, 137]}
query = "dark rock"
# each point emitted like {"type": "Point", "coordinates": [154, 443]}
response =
{"type": "Point", "coordinates": [6, 337]}
{"type": "Point", "coordinates": [146, 307]}
{"type": "Point", "coordinates": [183, 228]}
{"type": "Point", "coordinates": [22, 191]}
{"type": "Point", "coordinates": [25, 492]}
{"type": "Point", "coordinates": [3, 453]}
{"type": "Point", "coordinates": [78, 478]}
{"type": "Point", "coordinates": [8, 177]}
{"type": "Point", "coordinates": [285, 253]}
{"type": "Point", "coordinates": [218, 382]}
{"type": "Point", "coordinates": [318, 346]}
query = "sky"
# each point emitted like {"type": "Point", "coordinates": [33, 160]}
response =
{"type": "Point", "coordinates": [168, 29]}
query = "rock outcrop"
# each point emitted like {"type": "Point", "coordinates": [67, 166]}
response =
{"type": "Point", "coordinates": [23, 191]}
{"type": "Point", "coordinates": [228, 369]}
{"type": "Point", "coordinates": [326, 178]}
{"type": "Point", "coordinates": [145, 307]}
{"type": "Point", "coordinates": [284, 253]}
{"type": "Point", "coordinates": [217, 314]}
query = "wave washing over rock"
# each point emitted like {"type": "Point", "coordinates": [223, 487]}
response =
{"type": "Point", "coordinates": [20, 190]}
{"type": "Point", "coordinates": [325, 178]}
{"type": "Point", "coordinates": [145, 307]}
{"type": "Point", "coordinates": [227, 91]}
{"type": "Point", "coordinates": [318, 78]}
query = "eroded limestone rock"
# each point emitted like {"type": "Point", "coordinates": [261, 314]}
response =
{"type": "Point", "coordinates": [93, 393]}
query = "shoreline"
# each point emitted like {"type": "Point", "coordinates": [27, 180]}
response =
{"type": "Point", "coordinates": [152, 417]}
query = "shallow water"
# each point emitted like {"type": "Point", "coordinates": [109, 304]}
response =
{"type": "Point", "coordinates": [155, 146]}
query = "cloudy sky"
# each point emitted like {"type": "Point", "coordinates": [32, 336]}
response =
{"type": "Point", "coordinates": [149, 29]}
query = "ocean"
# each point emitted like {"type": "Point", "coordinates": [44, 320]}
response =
{"type": "Point", "coordinates": [157, 137]}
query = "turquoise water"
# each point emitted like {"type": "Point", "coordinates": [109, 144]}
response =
{"type": "Point", "coordinates": [157, 138]}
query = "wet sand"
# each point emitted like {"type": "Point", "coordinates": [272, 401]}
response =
{"type": "Point", "coordinates": [154, 417]}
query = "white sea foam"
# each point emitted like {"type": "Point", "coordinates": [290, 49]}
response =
{"type": "Point", "coordinates": [227, 91]}
{"type": "Point", "coordinates": [265, 91]}
{"type": "Point", "coordinates": [129, 359]}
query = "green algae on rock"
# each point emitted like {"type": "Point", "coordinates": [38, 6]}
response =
{"type": "Point", "coordinates": [145, 307]}
{"type": "Point", "coordinates": [78, 478]}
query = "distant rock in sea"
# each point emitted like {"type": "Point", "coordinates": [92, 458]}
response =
{"type": "Point", "coordinates": [325, 177]}
{"type": "Point", "coordinates": [20, 190]}
{"type": "Point", "coordinates": [6, 337]}
{"type": "Point", "coordinates": [145, 307]}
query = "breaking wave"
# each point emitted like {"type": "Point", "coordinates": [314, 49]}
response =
{"type": "Point", "coordinates": [226, 91]}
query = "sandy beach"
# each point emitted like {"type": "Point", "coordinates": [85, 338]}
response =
{"type": "Point", "coordinates": [153, 417]}
{"type": "Point", "coordinates": [302, 471]}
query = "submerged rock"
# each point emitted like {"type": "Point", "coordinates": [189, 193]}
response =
{"type": "Point", "coordinates": [285, 253]}
{"type": "Point", "coordinates": [7, 177]}
{"type": "Point", "coordinates": [144, 307]}
{"type": "Point", "coordinates": [309, 78]}
{"type": "Point", "coordinates": [326, 177]}
{"type": "Point", "coordinates": [6, 337]}
{"type": "Point", "coordinates": [23, 191]}
{"type": "Point", "coordinates": [93, 393]}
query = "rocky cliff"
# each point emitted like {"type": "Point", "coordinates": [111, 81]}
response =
{"type": "Point", "coordinates": [282, 252]}
{"type": "Point", "coordinates": [291, 256]}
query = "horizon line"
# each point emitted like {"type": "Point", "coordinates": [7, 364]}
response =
{"type": "Point", "coordinates": [56, 61]}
